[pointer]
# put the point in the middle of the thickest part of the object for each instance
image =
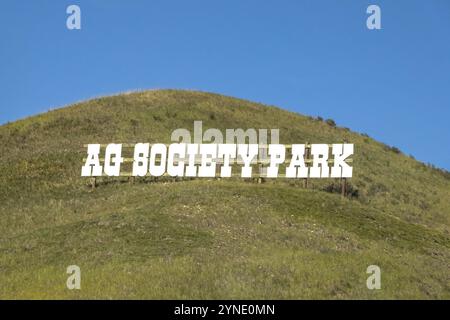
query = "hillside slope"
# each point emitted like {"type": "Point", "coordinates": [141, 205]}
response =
{"type": "Point", "coordinates": [208, 238]}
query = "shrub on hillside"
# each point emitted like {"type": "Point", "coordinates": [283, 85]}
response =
{"type": "Point", "coordinates": [350, 190]}
{"type": "Point", "coordinates": [330, 122]}
{"type": "Point", "coordinates": [376, 188]}
{"type": "Point", "coordinates": [395, 150]}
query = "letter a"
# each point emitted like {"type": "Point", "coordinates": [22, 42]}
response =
{"type": "Point", "coordinates": [92, 166]}
{"type": "Point", "coordinates": [74, 280]}
{"type": "Point", "coordinates": [74, 20]}
{"type": "Point", "coordinates": [374, 281]}
{"type": "Point", "coordinates": [374, 20]}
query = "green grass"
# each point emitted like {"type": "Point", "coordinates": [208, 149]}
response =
{"type": "Point", "coordinates": [208, 238]}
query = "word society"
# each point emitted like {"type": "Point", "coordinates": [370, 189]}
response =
{"type": "Point", "coordinates": [209, 160]}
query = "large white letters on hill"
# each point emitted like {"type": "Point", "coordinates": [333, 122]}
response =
{"type": "Point", "coordinates": [205, 160]}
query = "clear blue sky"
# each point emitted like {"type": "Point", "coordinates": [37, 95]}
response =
{"type": "Point", "coordinates": [313, 57]}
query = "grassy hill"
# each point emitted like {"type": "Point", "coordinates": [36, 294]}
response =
{"type": "Point", "coordinates": [208, 238]}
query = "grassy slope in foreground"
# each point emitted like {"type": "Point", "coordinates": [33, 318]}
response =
{"type": "Point", "coordinates": [207, 238]}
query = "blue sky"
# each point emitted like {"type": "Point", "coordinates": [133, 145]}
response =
{"type": "Point", "coordinates": [313, 57]}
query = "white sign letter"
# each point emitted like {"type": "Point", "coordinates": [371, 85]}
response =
{"type": "Point", "coordinates": [277, 154]}
{"type": "Point", "coordinates": [158, 170]}
{"type": "Point", "coordinates": [113, 154]}
{"type": "Point", "coordinates": [208, 165]}
{"type": "Point", "coordinates": [247, 152]}
{"type": "Point", "coordinates": [340, 167]}
{"type": "Point", "coordinates": [178, 149]}
{"type": "Point", "coordinates": [226, 151]}
{"type": "Point", "coordinates": [92, 166]}
{"type": "Point", "coordinates": [297, 167]}
{"type": "Point", "coordinates": [320, 161]}
{"type": "Point", "coordinates": [140, 163]}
